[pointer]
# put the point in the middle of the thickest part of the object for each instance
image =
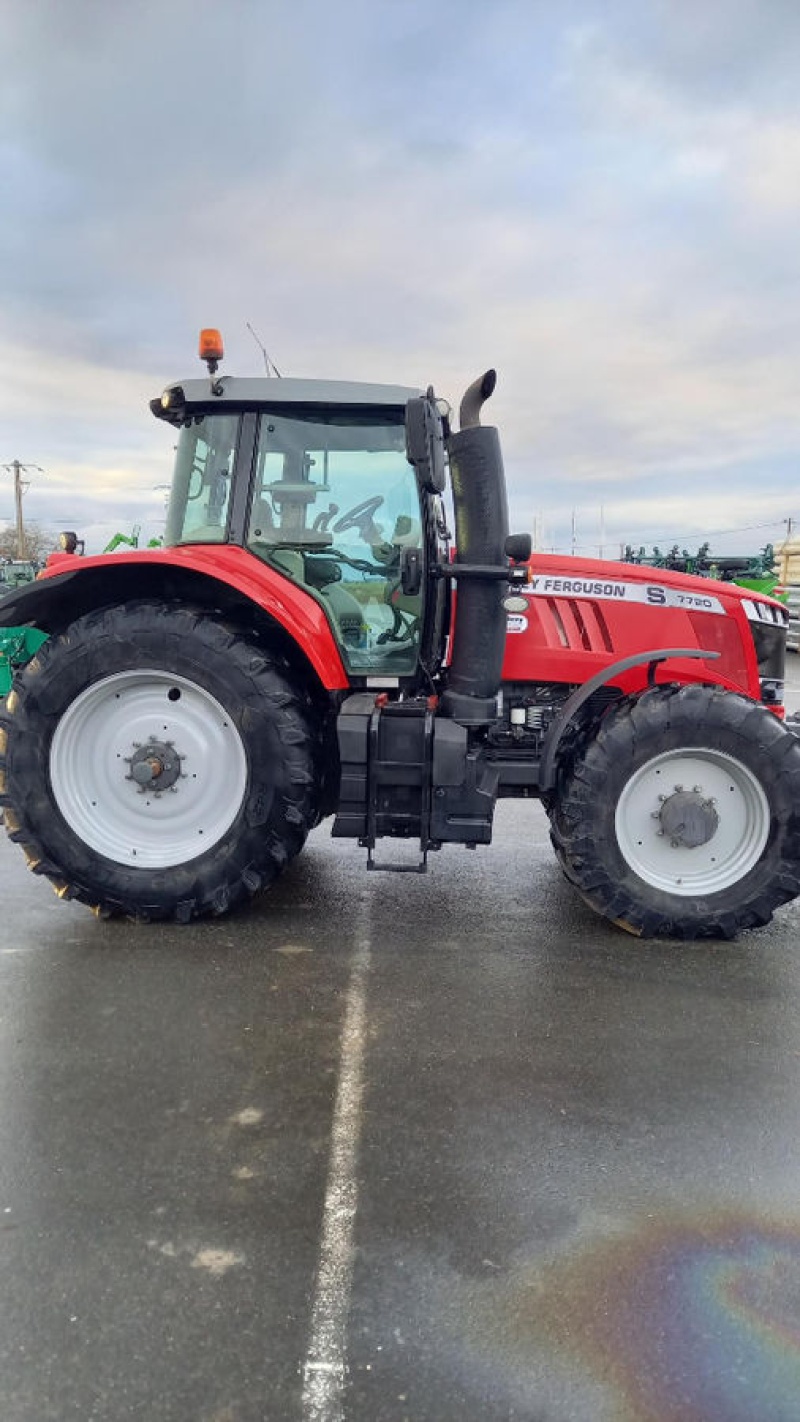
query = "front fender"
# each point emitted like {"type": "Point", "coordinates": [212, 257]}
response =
{"type": "Point", "coordinates": [579, 697]}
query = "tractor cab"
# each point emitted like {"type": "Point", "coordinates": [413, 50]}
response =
{"type": "Point", "coordinates": [312, 478]}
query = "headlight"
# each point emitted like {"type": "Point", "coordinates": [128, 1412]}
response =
{"type": "Point", "coordinates": [770, 645]}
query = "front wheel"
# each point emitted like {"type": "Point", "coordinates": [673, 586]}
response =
{"type": "Point", "coordinates": [680, 817]}
{"type": "Point", "coordinates": [154, 763]}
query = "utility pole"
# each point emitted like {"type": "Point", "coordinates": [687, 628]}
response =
{"type": "Point", "coordinates": [18, 469]}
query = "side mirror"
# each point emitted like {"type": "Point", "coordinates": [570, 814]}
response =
{"type": "Point", "coordinates": [425, 442]}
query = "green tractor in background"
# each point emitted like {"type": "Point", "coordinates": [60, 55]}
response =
{"type": "Point", "coordinates": [17, 644]}
{"type": "Point", "coordinates": [131, 540]}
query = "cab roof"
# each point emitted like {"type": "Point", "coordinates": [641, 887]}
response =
{"type": "Point", "coordinates": [280, 390]}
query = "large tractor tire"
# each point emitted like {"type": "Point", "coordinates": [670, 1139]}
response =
{"type": "Point", "coordinates": [679, 817]}
{"type": "Point", "coordinates": [153, 763]}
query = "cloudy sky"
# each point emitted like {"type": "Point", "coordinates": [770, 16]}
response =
{"type": "Point", "coordinates": [599, 197]}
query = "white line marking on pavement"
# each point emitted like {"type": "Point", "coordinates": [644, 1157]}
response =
{"type": "Point", "coordinates": [325, 1368]}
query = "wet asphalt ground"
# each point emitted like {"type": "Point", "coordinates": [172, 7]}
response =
{"type": "Point", "coordinates": [390, 1146]}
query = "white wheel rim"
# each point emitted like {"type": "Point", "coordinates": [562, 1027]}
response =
{"type": "Point", "coordinates": [733, 849]}
{"type": "Point", "coordinates": [90, 769]}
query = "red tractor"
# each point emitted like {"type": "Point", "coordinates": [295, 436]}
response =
{"type": "Point", "coordinates": [295, 651]}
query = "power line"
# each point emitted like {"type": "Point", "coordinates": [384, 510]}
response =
{"type": "Point", "coordinates": [707, 533]}
{"type": "Point", "coordinates": [671, 541]}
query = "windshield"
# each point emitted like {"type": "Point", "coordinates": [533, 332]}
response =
{"type": "Point", "coordinates": [334, 504]}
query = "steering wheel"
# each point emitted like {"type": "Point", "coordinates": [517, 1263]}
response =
{"type": "Point", "coordinates": [360, 517]}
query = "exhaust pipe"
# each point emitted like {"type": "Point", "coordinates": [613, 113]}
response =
{"type": "Point", "coordinates": [474, 398]}
{"type": "Point", "coordinates": [481, 530]}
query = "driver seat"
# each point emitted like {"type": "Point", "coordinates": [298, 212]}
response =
{"type": "Point", "coordinates": [345, 609]}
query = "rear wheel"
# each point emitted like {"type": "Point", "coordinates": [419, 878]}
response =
{"type": "Point", "coordinates": [154, 763]}
{"type": "Point", "coordinates": [680, 817]}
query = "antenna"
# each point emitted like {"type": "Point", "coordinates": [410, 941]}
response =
{"type": "Point", "coordinates": [269, 365]}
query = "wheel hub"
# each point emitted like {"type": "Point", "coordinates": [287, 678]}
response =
{"type": "Point", "coordinates": [687, 818]}
{"type": "Point", "coordinates": [154, 766]}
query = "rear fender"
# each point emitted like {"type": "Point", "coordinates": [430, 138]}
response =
{"type": "Point", "coordinates": [226, 580]}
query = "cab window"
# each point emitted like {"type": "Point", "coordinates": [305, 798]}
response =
{"type": "Point", "coordinates": [201, 484]}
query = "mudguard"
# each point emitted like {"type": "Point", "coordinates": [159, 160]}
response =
{"type": "Point", "coordinates": [223, 578]}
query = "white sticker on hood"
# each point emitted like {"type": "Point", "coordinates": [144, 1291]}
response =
{"type": "Point", "coordinates": [615, 590]}
{"type": "Point", "coordinates": [517, 623]}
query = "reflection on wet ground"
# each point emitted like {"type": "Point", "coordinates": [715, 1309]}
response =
{"type": "Point", "coordinates": [683, 1317]}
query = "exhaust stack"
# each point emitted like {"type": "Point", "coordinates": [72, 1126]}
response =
{"type": "Point", "coordinates": [481, 530]}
